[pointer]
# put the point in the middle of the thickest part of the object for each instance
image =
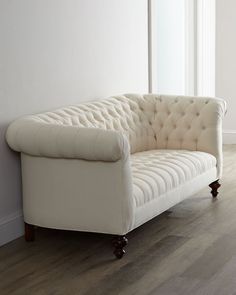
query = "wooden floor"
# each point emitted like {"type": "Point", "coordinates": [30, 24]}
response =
{"type": "Point", "coordinates": [188, 250]}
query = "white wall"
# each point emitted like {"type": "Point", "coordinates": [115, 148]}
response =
{"type": "Point", "coordinates": [170, 31]}
{"type": "Point", "coordinates": [206, 28]}
{"type": "Point", "coordinates": [226, 63]}
{"type": "Point", "coordinates": [59, 52]}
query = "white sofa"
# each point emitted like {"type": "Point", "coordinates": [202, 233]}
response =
{"type": "Point", "coordinates": [109, 166]}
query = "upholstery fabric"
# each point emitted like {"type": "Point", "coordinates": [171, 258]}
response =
{"type": "Point", "coordinates": [169, 199]}
{"type": "Point", "coordinates": [148, 121]}
{"type": "Point", "coordinates": [63, 141]}
{"type": "Point", "coordinates": [156, 172]}
{"type": "Point", "coordinates": [101, 196]}
{"type": "Point", "coordinates": [79, 195]}
{"type": "Point", "coordinates": [110, 165]}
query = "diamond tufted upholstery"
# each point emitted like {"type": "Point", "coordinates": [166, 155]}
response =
{"type": "Point", "coordinates": [156, 172]}
{"type": "Point", "coordinates": [147, 121]}
{"type": "Point", "coordinates": [111, 165]}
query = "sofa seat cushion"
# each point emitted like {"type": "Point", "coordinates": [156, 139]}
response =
{"type": "Point", "coordinates": [156, 172]}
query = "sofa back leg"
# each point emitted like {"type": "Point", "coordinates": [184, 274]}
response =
{"type": "Point", "coordinates": [214, 188]}
{"type": "Point", "coordinates": [119, 243]}
{"type": "Point", "coordinates": [29, 232]}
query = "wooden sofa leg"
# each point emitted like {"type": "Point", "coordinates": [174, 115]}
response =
{"type": "Point", "coordinates": [119, 243]}
{"type": "Point", "coordinates": [214, 188]}
{"type": "Point", "coordinates": [29, 232]}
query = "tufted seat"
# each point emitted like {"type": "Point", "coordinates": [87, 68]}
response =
{"type": "Point", "coordinates": [110, 165]}
{"type": "Point", "coordinates": [157, 172]}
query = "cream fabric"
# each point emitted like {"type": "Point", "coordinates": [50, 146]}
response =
{"type": "Point", "coordinates": [63, 141]}
{"type": "Point", "coordinates": [111, 165]}
{"type": "Point", "coordinates": [157, 172]}
{"type": "Point", "coordinates": [77, 194]}
{"type": "Point", "coordinates": [98, 196]}
{"type": "Point", "coordinates": [148, 121]}
{"type": "Point", "coordinates": [173, 197]}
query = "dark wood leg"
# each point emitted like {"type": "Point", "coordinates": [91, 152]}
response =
{"type": "Point", "coordinates": [214, 188]}
{"type": "Point", "coordinates": [119, 243]}
{"type": "Point", "coordinates": [29, 232]}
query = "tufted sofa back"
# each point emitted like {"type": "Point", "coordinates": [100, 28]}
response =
{"type": "Point", "coordinates": [129, 114]}
{"type": "Point", "coordinates": [149, 121]}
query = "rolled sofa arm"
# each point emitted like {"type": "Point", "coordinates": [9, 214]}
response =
{"type": "Point", "coordinates": [62, 141]}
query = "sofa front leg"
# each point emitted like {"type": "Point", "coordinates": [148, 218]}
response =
{"type": "Point", "coordinates": [214, 188]}
{"type": "Point", "coordinates": [29, 232]}
{"type": "Point", "coordinates": [119, 243]}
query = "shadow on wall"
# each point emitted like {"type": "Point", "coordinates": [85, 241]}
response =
{"type": "Point", "coordinates": [10, 191]}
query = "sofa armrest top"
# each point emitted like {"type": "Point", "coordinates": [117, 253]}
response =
{"type": "Point", "coordinates": [62, 141]}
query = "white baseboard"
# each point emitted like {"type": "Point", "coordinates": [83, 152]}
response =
{"type": "Point", "coordinates": [11, 227]}
{"type": "Point", "coordinates": [229, 136]}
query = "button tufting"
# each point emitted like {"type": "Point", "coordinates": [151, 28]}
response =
{"type": "Point", "coordinates": [149, 167]}
{"type": "Point", "coordinates": [135, 117]}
